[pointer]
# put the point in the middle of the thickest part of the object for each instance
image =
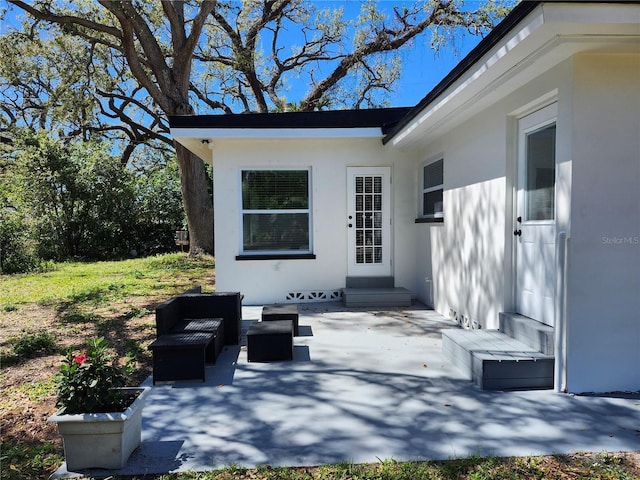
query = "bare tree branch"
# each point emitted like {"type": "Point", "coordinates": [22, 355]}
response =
{"type": "Point", "coordinates": [132, 25]}
{"type": "Point", "coordinates": [67, 19]}
{"type": "Point", "coordinates": [213, 104]}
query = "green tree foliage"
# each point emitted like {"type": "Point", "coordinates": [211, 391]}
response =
{"type": "Point", "coordinates": [18, 250]}
{"type": "Point", "coordinates": [78, 195]}
{"type": "Point", "coordinates": [76, 200]}
{"type": "Point", "coordinates": [159, 208]}
{"type": "Point", "coordinates": [140, 61]}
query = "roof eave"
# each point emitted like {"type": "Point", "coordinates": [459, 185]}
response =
{"type": "Point", "coordinates": [516, 15]}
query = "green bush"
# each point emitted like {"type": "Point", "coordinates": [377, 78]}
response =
{"type": "Point", "coordinates": [34, 344]}
{"type": "Point", "coordinates": [76, 200]}
{"type": "Point", "coordinates": [159, 211]}
{"type": "Point", "coordinates": [17, 249]}
{"type": "Point", "coordinates": [28, 345]}
{"type": "Point", "coordinates": [89, 382]}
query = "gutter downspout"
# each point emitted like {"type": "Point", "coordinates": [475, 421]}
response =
{"type": "Point", "coordinates": [560, 337]}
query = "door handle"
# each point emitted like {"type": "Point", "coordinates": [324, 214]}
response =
{"type": "Point", "coordinates": [517, 233]}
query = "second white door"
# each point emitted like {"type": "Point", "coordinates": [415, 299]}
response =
{"type": "Point", "coordinates": [535, 225]}
{"type": "Point", "coordinates": [369, 221]}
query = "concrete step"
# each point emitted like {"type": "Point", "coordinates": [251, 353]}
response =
{"type": "Point", "coordinates": [496, 361]}
{"type": "Point", "coordinates": [529, 331]}
{"type": "Point", "coordinates": [370, 282]}
{"type": "Point", "coordinates": [376, 297]}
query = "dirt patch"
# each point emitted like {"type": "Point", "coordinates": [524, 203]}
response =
{"type": "Point", "coordinates": [28, 389]}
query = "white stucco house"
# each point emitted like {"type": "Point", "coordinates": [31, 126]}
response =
{"type": "Point", "coordinates": [513, 186]}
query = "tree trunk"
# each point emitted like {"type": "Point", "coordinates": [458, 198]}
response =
{"type": "Point", "coordinates": [197, 203]}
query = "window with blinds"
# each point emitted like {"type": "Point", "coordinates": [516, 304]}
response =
{"type": "Point", "coordinates": [432, 190]}
{"type": "Point", "coordinates": [276, 212]}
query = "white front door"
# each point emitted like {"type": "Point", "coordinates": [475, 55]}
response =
{"type": "Point", "coordinates": [535, 225]}
{"type": "Point", "coordinates": [369, 221]}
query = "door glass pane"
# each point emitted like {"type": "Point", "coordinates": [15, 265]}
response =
{"type": "Point", "coordinates": [368, 222]}
{"type": "Point", "coordinates": [368, 219]}
{"type": "Point", "coordinates": [540, 173]}
{"type": "Point", "coordinates": [368, 257]}
{"type": "Point", "coordinates": [368, 185]}
{"type": "Point", "coordinates": [377, 220]}
{"type": "Point", "coordinates": [368, 203]}
{"type": "Point", "coordinates": [377, 185]}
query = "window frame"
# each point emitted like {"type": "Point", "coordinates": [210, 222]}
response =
{"type": "Point", "coordinates": [434, 217]}
{"type": "Point", "coordinates": [275, 254]}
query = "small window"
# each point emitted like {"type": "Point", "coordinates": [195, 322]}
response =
{"type": "Point", "coordinates": [276, 214]}
{"type": "Point", "coordinates": [432, 188]}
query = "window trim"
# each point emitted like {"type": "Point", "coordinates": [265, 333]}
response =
{"type": "Point", "coordinates": [274, 254]}
{"type": "Point", "coordinates": [434, 217]}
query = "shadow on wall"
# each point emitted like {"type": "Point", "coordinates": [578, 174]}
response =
{"type": "Point", "coordinates": [468, 253]}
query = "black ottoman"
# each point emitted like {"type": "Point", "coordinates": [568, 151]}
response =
{"type": "Point", "coordinates": [268, 341]}
{"type": "Point", "coordinates": [180, 356]}
{"type": "Point", "coordinates": [281, 312]}
{"type": "Point", "coordinates": [214, 326]}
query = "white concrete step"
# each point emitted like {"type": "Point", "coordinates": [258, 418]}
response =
{"type": "Point", "coordinates": [376, 297]}
{"type": "Point", "coordinates": [496, 361]}
{"type": "Point", "coordinates": [528, 331]}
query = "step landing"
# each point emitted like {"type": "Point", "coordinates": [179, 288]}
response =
{"type": "Point", "coordinates": [370, 282]}
{"type": "Point", "coordinates": [529, 331]}
{"type": "Point", "coordinates": [376, 297]}
{"type": "Point", "coordinates": [495, 361]}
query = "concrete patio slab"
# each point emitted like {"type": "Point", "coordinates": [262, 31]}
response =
{"type": "Point", "coordinates": [364, 386]}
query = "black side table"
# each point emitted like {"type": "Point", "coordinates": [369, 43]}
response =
{"type": "Point", "coordinates": [268, 341]}
{"type": "Point", "coordinates": [288, 311]}
{"type": "Point", "coordinates": [180, 356]}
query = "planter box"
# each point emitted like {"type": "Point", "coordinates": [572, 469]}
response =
{"type": "Point", "coordinates": [101, 440]}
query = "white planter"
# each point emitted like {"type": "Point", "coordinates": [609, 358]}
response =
{"type": "Point", "coordinates": [101, 440]}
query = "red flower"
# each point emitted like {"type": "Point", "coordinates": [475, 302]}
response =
{"type": "Point", "coordinates": [80, 359]}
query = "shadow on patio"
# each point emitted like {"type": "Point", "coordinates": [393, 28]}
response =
{"type": "Point", "coordinates": [364, 385]}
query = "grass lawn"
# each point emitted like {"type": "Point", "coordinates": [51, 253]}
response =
{"type": "Point", "coordinates": [43, 313]}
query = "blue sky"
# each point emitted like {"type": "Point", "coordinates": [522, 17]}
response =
{"type": "Point", "coordinates": [422, 67]}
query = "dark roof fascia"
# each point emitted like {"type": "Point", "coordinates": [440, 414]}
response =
{"type": "Point", "coordinates": [384, 118]}
{"type": "Point", "coordinates": [514, 17]}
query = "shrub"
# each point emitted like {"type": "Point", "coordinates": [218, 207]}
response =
{"type": "Point", "coordinates": [17, 249]}
{"type": "Point", "coordinates": [88, 382]}
{"type": "Point", "coordinates": [34, 344]}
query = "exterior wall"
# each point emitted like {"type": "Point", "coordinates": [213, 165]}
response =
{"type": "Point", "coordinates": [465, 264]}
{"type": "Point", "coordinates": [464, 258]}
{"type": "Point", "coordinates": [269, 281]}
{"type": "Point", "coordinates": [603, 330]}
